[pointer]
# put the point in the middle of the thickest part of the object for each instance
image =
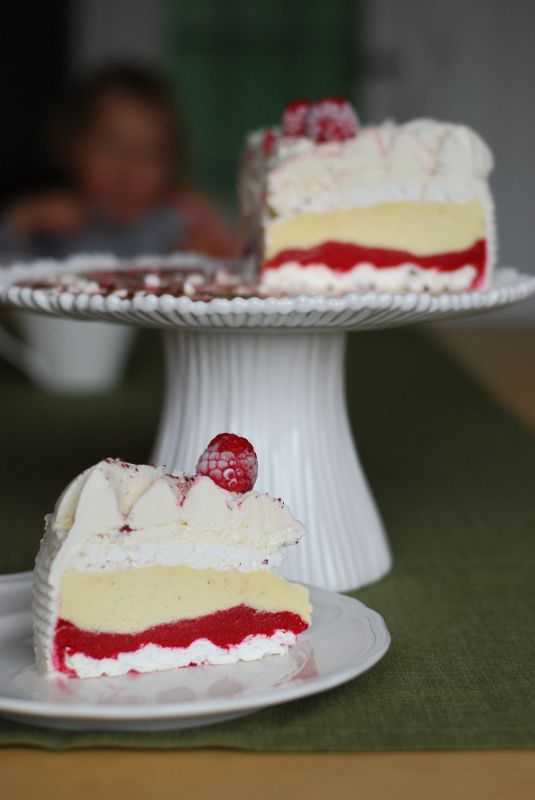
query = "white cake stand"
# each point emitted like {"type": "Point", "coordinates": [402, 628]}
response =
{"type": "Point", "coordinates": [272, 370]}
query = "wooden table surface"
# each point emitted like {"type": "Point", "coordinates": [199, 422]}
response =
{"type": "Point", "coordinates": [504, 361]}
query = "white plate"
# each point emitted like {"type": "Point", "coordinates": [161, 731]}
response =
{"type": "Point", "coordinates": [354, 311]}
{"type": "Point", "coordinates": [346, 638]}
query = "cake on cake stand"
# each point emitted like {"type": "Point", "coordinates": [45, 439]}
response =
{"type": "Point", "coordinates": [270, 369]}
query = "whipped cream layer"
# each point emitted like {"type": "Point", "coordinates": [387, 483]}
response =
{"type": "Point", "coordinates": [419, 161]}
{"type": "Point", "coordinates": [118, 515]}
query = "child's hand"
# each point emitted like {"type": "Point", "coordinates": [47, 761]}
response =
{"type": "Point", "coordinates": [60, 214]}
{"type": "Point", "coordinates": [207, 230]}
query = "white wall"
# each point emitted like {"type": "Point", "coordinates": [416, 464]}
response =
{"type": "Point", "coordinates": [470, 61]}
{"type": "Point", "coordinates": [117, 30]}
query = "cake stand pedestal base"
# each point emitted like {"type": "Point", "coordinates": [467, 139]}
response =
{"type": "Point", "coordinates": [285, 391]}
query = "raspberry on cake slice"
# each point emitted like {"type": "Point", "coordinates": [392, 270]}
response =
{"type": "Point", "coordinates": [331, 206]}
{"type": "Point", "coordinates": [143, 570]}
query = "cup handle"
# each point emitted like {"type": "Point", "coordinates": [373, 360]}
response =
{"type": "Point", "coordinates": [16, 352]}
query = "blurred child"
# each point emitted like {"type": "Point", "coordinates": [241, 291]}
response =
{"type": "Point", "coordinates": [124, 152]}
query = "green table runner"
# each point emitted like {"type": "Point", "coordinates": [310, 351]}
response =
{"type": "Point", "coordinates": [454, 477]}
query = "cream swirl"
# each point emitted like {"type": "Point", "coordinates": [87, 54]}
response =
{"type": "Point", "coordinates": [422, 160]}
{"type": "Point", "coordinates": [119, 515]}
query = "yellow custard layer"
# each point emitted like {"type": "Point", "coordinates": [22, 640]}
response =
{"type": "Point", "coordinates": [421, 228]}
{"type": "Point", "coordinates": [125, 601]}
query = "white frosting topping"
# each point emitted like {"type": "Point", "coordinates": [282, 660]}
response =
{"type": "Point", "coordinates": [116, 515]}
{"type": "Point", "coordinates": [422, 160]}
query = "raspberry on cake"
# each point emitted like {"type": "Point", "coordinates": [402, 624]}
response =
{"type": "Point", "coordinates": [230, 461]}
{"type": "Point", "coordinates": [332, 207]}
{"type": "Point", "coordinates": [145, 570]}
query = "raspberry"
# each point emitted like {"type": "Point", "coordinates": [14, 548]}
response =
{"type": "Point", "coordinates": [294, 118]}
{"type": "Point", "coordinates": [332, 119]}
{"type": "Point", "coordinates": [269, 142]}
{"type": "Point", "coordinates": [230, 461]}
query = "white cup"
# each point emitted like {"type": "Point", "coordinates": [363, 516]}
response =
{"type": "Point", "coordinates": [63, 355]}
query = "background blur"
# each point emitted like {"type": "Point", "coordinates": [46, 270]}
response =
{"type": "Point", "coordinates": [236, 63]}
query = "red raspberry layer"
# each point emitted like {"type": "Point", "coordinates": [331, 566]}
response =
{"type": "Point", "coordinates": [222, 628]}
{"type": "Point", "coordinates": [341, 257]}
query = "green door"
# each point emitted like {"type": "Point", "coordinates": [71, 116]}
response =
{"type": "Point", "coordinates": [236, 63]}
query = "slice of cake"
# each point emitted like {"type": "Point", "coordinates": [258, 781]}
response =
{"type": "Point", "coordinates": [333, 207]}
{"type": "Point", "coordinates": [143, 570]}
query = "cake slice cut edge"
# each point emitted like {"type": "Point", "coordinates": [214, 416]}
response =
{"type": "Point", "coordinates": [214, 616]}
{"type": "Point", "coordinates": [113, 594]}
{"type": "Point", "coordinates": [386, 208]}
